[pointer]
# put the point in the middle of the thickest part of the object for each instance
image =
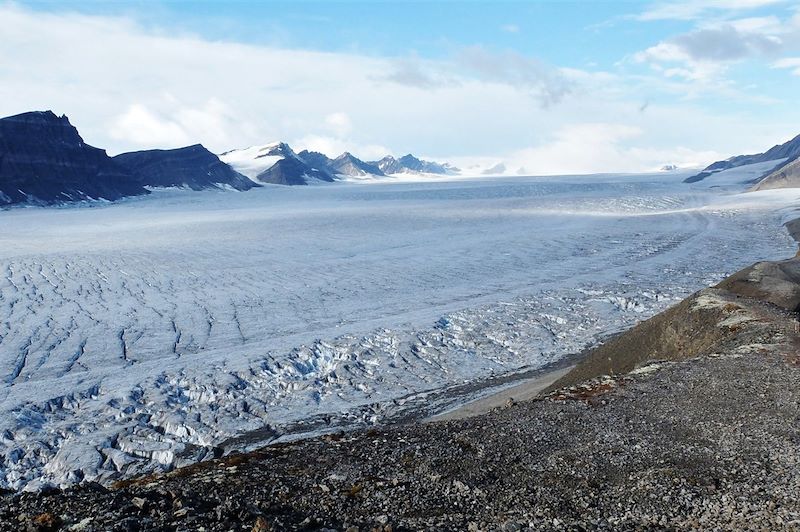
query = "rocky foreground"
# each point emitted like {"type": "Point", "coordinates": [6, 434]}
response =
{"type": "Point", "coordinates": [691, 420]}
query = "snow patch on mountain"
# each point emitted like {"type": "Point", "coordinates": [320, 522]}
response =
{"type": "Point", "coordinates": [254, 160]}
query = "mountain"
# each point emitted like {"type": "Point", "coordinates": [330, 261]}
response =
{"type": "Point", "coordinates": [346, 164]}
{"type": "Point", "coordinates": [349, 165]}
{"type": "Point", "coordinates": [316, 159]}
{"type": "Point", "coordinates": [408, 164]}
{"type": "Point", "coordinates": [275, 163]}
{"type": "Point", "coordinates": [43, 160]}
{"type": "Point", "coordinates": [193, 166]}
{"type": "Point", "coordinates": [782, 154]}
{"type": "Point", "coordinates": [788, 176]}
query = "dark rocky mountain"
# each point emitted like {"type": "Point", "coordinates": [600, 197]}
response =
{"type": "Point", "coordinates": [43, 160]}
{"type": "Point", "coordinates": [348, 164]}
{"type": "Point", "coordinates": [293, 171]}
{"type": "Point", "coordinates": [410, 164]}
{"type": "Point", "coordinates": [193, 166]}
{"type": "Point", "coordinates": [278, 164]}
{"type": "Point", "coordinates": [789, 151]}
{"type": "Point", "coordinates": [316, 159]}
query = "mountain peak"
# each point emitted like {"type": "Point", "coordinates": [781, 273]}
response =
{"type": "Point", "coordinates": [37, 116]}
{"type": "Point", "coordinates": [277, 163]}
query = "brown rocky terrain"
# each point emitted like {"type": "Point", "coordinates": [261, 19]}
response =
{"type": "Point", "coordinates": [690, 420]}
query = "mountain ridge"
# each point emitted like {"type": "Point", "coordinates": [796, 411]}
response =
{"type": "Point", "coordinates": [411, 164]}
{"type": "Point", "coordinates": [191, 166]}
{"type": "Point", "coordinates": [782, 154]}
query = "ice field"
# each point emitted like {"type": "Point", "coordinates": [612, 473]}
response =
{"type": "Point", "coordinates": [154, 332]}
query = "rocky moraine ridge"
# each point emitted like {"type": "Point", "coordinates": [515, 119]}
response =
{"type": "Point", "coordinates": [687, 421]}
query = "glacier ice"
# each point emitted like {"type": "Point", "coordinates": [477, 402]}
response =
{"type": "Point", "coordinates": [155, 332]}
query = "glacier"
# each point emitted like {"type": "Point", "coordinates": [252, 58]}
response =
{"type": "Point", "coordinates": [159, 331]}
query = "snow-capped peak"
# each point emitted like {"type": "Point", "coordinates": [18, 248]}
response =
{"type": "Point", "coordinates": [254, 160]}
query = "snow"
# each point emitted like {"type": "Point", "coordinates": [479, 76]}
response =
{"type": "Point", "coordinates": [736, 178]}
{"type": "Point", "coordinates": [252, 161]}
{"type": "Point", "coordinates": [137, 336]}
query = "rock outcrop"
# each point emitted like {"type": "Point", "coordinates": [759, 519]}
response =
{"type": "Point", "coordinates": [43, 160]}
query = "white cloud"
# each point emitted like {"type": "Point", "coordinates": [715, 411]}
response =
{"type": "Point", "coordinates": [128, 88]}
{"type": "Point", "coordinates": [705, 56]}
{"type": "Point", "coordinates": [543, 82]}
{"type": "Point", "coordinates": [335, 146]}
{"type": "Point", "coordinates": [791, 63]}
{"type": "Point", "coordinates": [139, 125]}
{"type": "Point", "coordinates": [694, 9]}
{"type": "Point", "coordinates": [578, 149]}
{"type": "Point", "coordinates": [339, 123]}
{"type": "Point", "coordinates": [585, 148]}
{"type": "Point", "coordinates": [547, 84]}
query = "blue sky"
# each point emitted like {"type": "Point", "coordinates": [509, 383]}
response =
{"type": "Point", "coordinates": [542, 87]}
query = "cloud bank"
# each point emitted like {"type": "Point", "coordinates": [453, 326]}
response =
{"type": "Point", "coordinates": [126, 87]}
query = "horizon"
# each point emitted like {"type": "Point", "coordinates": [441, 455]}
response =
{"type": "Point", "coordinates": [549, 88]}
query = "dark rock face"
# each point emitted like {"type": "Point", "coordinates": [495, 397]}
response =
{"type": "Point", "coordinates": [409, 163]}
{"type": "Point", "coordinates": [316, 159]}
{"type": "Point", "coordinates": [43, 160]}
{"type": "Point", "coordinates": [193, 166]}
{"type": "Point", "coordinates": [293, 171]}
{"type": "Point", "coordinates": [790, 151]}
{"type": "Point", "coordinates": [388, 165]}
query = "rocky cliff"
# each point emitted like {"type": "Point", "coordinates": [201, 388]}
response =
{"type": "Point", "coordinates": [43, 160]}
